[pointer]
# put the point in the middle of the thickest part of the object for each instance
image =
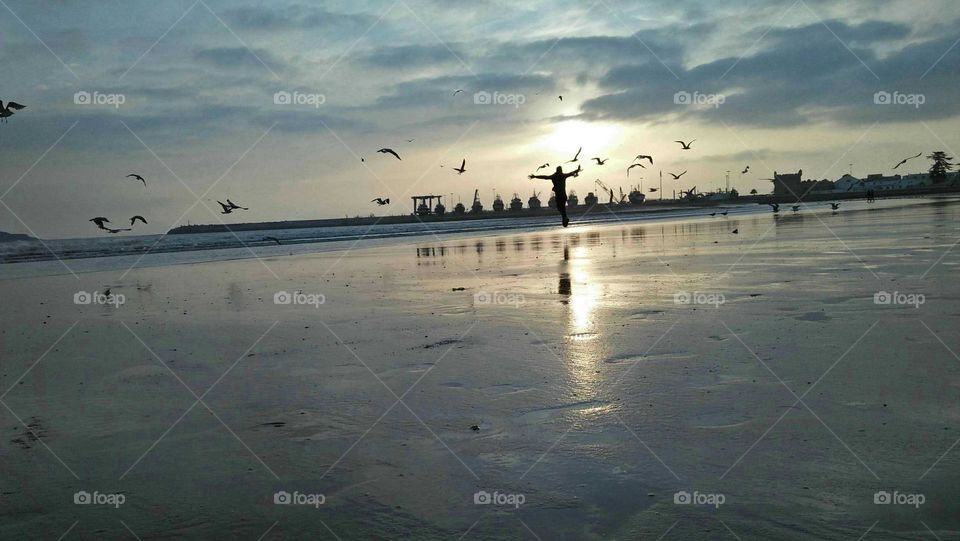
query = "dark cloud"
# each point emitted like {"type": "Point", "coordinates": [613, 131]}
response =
{"type": "Point", "coordinates": [296, 17]}
{"type": "Point", "coordinates": [239, 57]}
{"type": "Point", "coordinates": [798, 75]}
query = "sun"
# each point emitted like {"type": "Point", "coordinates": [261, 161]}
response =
{"type": "Point", "coordinates": [595, 138]}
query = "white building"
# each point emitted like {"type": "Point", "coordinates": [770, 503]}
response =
{"type": "Point", "coordinates": [879, 182]}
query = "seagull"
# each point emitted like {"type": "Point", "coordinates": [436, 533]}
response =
{"type": "Point", "coordinates": [676, 177]}
{"type": "Point", "coordinates": [835, 206]}
{"type": "Point", "coordinates": [542, 166]}
{"type": "Point", "coordinates": [463, 167]}
{"type": "Point", "coordinates": [713, 214]}
{"type": "Point", "coordinates": [654, 190]}
{"type": "Point", "coordinates": [6, 112]}
{"type": "Point", "coordinates": [234, 206]}
{"type": "Point", "coordinates": [137, 177]}
{"type": "Point", "coordinates": [561, 97]}
{"type": "Point", "coordinates": [226, 208]}
{"type": "Point", "coordinates": [736, 231]}
{"type": "Point", "coordinates": [724, 213]}
{"type": "Point", "coordinates": [686, 146]}
{"type": "Point", "coordinates": [457, 91]}
{"type": "Point", "coordinates": [575, 158]}
{"type": "Point", "coordinates": [632, 166]}
{"type": "Point", "coordinates": [641, 157]}
{"type": "Point", "coordinates": [775, 206]}
{"type": "Point", "coordinates": [99, 220]}
{"type": "Point", "coordinates": [411, 140]}
{"type": "Point", "coordinates": [135, 218]}
{"type": "Point", "coordinates": [796, 208]}
{"type": "Point", "coordinates": [389, 151]}
{"type": "Point", "coordinates": [380, 201]}
{"type": "Point", "coordinates": [745, 170]}
{"type": "Point", "coordinates": [274, 239]}
{"type": "Point", "coordinates": [599, 161]}
{"type": "Point", "coordinates": [907, 159]}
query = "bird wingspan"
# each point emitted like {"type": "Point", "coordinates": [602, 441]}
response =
{"type": "Point", "coordinates": [15, 105]}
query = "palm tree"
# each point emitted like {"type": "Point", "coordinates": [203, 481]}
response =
{"type": "Point", "coordinates": [942, 164]}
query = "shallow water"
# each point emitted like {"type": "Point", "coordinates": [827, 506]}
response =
{"type": "Point", "coordinates": [596, 396]}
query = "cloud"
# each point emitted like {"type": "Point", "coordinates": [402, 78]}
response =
{"type": "Point", "coordinates": [798, 76]}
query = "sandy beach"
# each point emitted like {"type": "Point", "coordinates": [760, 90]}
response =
{"type": "Point", "coordinates": [620, 381]}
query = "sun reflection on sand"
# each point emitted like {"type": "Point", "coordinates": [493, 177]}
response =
{"type": "Point", "coordinates": [581, 295]}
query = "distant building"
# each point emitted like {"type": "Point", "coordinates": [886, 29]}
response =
{"type": "Point", "coordinates": [791, 184]}
{"type": "Point", "coordinates": [880, 182]}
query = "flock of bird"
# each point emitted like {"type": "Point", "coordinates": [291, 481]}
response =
{"type": "Point", "coordinates": [227, 207]}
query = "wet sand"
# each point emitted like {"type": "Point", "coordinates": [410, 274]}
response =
{"type": "Point", "coordinates": [595, 395]}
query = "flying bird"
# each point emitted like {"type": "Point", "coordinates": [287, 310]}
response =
{"type": "Point", "coordinates": [561, 97]}
{"type": "Point", "coordinates": [226, 208]}
{"type": "Point", "coordinates": [137, 177]}
{"type": "Point", "coordinates": [99, 220]}
{"type": "Point", "coordinates": [463, 167]}
{"type": "Point", "coordinates": [907, 159]}
{"type": "Point", "coordinates": [796, 208]}
{"type": "Point", "coordinates": [599, 161]}
{"type": "Point", "coordinates": [724, 213]}
{"type": "Point", "coordinates": [632, 166]}
{"type": "Point", "coordinates": [135, 218]}
{"type": "Point", "coordinates": [389, 151]}
{"type": "Point", "coordinates": [686, 146]}
{"type": "Point", "coordinates": [577, 156]}
{"type": "Point", "coordinates": [6, 112]}
{"type": "Point", "coordinates": [274, 239]}
{"type": "Point", "coordinates": [457, 91]}
{"type": "Point", "coordinates": [835, 206]}
{"type": "Point", "coordinates": [736, 231]}
{"type": "Point", "coordinates": [745, 170]}
{"type": "Point", "coordinates": [641, 157]}
{"type": "Point", "coordinates": [775, 206]}
{"type": "Point", "coordinates": [654, 190]}
{"type": "Point", "coordinates": [411, 140]}
{"type": "Point", "coordinates": [234, 206]}
{"type": "Point", "coordinates": [380, 201]}
{"type": "Point", "coordinates": [676, 177]}
{"type": "Point", "coordinates": [542, 166]}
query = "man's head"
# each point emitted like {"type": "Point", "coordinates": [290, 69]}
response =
{"type": "Point", "coordinates": [559, 169]}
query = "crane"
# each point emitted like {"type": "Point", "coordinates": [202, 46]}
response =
{"type": "Point", "coordinates": [605, 188]}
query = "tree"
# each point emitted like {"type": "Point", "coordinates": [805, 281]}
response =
{"type": "Point", "coordinates": [942, 164]}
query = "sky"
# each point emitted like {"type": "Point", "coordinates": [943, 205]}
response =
{"type": "Point", "coordinates": [274, 104]}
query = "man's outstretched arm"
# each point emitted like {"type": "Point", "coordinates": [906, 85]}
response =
{"type": "Point", "coordinates": [574, 173]}
{"type": "Point", "coordinates": [542, 177]}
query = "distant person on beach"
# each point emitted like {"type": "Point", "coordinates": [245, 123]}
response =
{"type": "Point", "coordinates": [559, 179]}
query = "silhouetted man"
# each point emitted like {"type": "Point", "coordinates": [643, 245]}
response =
{"type": "Point", "coordinates": [559, 179]}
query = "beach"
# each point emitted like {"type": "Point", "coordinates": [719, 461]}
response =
{"type": "Point", "coordinates": [654, 380]}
